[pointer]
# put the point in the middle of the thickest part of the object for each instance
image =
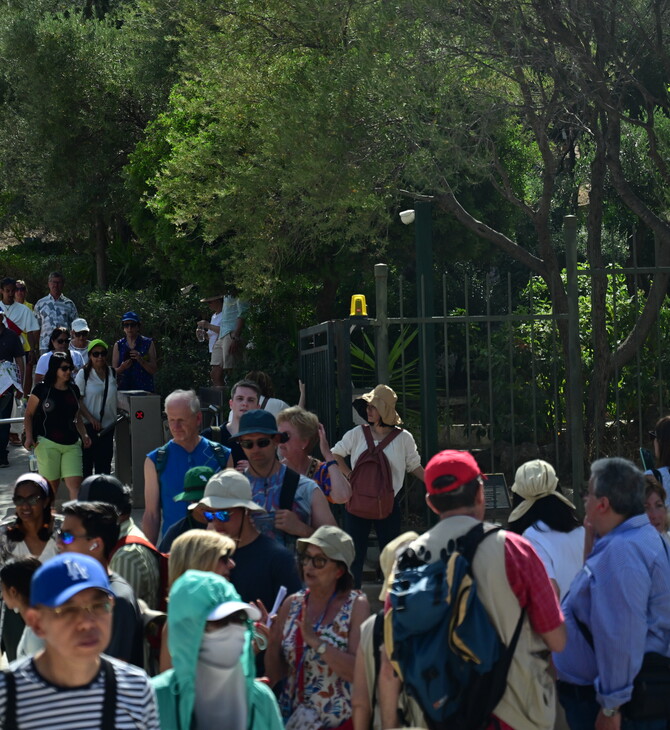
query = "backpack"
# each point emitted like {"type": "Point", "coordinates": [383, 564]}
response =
{"type": "Point", "coordinates": [371, 482]}
{"type": "Point", "coordinates": [162, 564]}
{"type": "Point", "coordinates": [218, 449]}
{"type": "Point", "coordinates": [451, 657]}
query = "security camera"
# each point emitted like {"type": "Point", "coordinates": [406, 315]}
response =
{"type": "Point", "coordinates": [407, 217]}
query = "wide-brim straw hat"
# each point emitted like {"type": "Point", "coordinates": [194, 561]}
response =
{"type": "Point", "coordinates": [535, 480]}
{"type": "Point", "coordinates": [384, 400]}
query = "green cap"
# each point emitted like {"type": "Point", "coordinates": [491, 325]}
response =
{"type": "Point", "coordinates": [93, 343]}
{"type": "Point", "coordinates": [195, 481]}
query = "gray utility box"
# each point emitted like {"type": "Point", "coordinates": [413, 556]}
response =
{"type": "Point", "coordinates": [137, 433]}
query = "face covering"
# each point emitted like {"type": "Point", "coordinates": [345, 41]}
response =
{"type": "Point", "coordinates": [222, 649]}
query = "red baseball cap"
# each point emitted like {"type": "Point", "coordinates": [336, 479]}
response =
{"type": "Point", "coordinates": [451, 470]}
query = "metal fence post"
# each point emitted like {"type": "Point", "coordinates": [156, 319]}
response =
{"type": "Point", "coordinates": [574, 369]}
{"type": "Point", "coordinates": [382, 329]}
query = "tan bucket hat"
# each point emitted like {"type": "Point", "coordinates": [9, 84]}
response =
{"type": "Point", "coordinates": [384, 400]}
{"type": "Point", "coordinates": [334, 543]}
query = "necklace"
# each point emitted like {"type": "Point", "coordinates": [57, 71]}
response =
{"type": "Point", "coordinates": [264, 477]}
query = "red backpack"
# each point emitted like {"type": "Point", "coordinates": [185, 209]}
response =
{"type": "Point", "coordinates": [371, 481]}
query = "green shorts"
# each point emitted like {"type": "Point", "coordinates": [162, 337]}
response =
{"type": "Point", "coordinates": [57, 461]}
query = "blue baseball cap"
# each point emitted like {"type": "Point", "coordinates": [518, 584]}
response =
{"type": "Point", "coordinates": [130, 317]}
{"type": "Point", "coordinates": [64, 576]}
{"type": "Point", "coordinates": [257, 421]}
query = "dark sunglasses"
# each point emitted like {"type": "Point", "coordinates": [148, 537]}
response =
{"type": "Point", "coordinates": [250, 443]}
{"type": "Point", "coordinates": [99, 353]}
{"type": "Point", "coordinates": [318, 561]}
{"type": "Point", "coordinates": [130, 324]}
{"type": "Point", "coordinates": [62, 341]}
{"type": "Point", "coordinates": [81, 334]}
{"type": "Point", "coordinates": [67, 537]}
{"type": "Point", "coordinates": [65, 368]}
{"type": "Point", "coordinates": [20, 288]}
{"type": "Point", "coordinates": [29, 501]}
{"type": "Point", "coordinates": [222, 515]}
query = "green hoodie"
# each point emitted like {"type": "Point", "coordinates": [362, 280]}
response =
{"type": "Point", "coordinates": [192, 598]}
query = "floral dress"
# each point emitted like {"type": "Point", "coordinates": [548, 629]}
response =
{"type": "Point", "coordinates": [310, 679]}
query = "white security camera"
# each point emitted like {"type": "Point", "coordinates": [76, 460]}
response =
{"type": "Point", "coordinates": [407, 217]}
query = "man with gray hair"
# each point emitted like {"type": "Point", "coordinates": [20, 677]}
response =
{"type": "Point", "coordinates": [165, 467]}
{"type": "Point", "coordinates": [617, 610]}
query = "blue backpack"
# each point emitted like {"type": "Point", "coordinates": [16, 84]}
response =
{"type": "Point", "coordinates": [451, 657]}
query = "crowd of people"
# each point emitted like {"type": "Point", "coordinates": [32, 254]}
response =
{"type": "Point", "coordinates": [239, 597]}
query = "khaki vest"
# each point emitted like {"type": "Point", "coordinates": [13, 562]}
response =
{"type": "Point", "coordinates": [529, 701]}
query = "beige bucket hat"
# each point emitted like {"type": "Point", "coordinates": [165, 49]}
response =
{"type": "Point", "coordinates": [384, 400]}
{"type": "Point", "coordinates": [534, 480]}
{"type": "Point", "coordinates": [227, 489]}
{"type": "Point", "coordinates": [334, 542]}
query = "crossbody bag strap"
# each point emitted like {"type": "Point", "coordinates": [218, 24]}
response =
{"type": "Point", "coordinates": [104, 395]}
{"type": "Point", "coordinates": [109, 701]}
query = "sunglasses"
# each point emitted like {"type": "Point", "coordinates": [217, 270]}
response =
{"type": "Point", "coordinates": [72, 612]}
{"type": "Point", "coordinates": [222, 515]}
{"type": "Point", "coordinates": [67, 537]}
{"type": "Point", "coordinates": [99, 353]}
{"type": "Point", "coordinates": [66, 367]}
{"type": "Point", "coordinates": [130, 324]}
{"type": "Point", "coordinates": [81, 334]}
{"type": "Point", "coordinates": [62, 341]}
{"type": "Point", "coordinates": [318, 561]}
{"type": "Point", "coordinates": [29, 501]}
{"type": "Point", "coordinates": [20, 288]}
{"type": "Point", "coordinates": [250, 443]}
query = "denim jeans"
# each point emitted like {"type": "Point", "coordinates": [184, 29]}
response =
{"type": "Point", "coordinates": [581, 714]}
{"type": "Point", "coordinates": [359, 529]}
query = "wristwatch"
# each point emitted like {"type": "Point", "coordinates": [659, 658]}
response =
{"type": "Point", "coordinates": [321, 648]}
{"type": "Point", "coordinates": [610, 712]}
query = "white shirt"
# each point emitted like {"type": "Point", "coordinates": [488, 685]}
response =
{"type": "Point", "coordinates": [43, 363]}
{"type": "Point", "coordinates": [22, 316]}
{"type": "Point", "coordinates": [561, 552]}
{"type": "Point", "coordinates": [401, 453]}
{"type": "Point", "coordinates": [92, 391]}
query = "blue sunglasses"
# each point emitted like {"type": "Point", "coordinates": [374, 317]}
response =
{"type": "Point", "coordinates": [222, 515]}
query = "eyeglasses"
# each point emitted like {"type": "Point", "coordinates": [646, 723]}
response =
{"type": "Point", "coordinates": [28, 501]}
{"type": "Point", "coordinates": [222, 515]}
{"type": "Point", "coordinates": [62, 340]}
{"type": "Point", "coordinates": [72, 612]}
{"type": "Point", "coordinates": [66, 367]}
{"type": "Point", "coordinates": [239, 617]}
{"type": "Point", "coordinates": [250, 443]}
{"type": "Point", "coordinates": [99, 353]}
{"type": "Point", "coordinates": [67, 537]}
{"type": "Point", "coordinates": [318, 561]}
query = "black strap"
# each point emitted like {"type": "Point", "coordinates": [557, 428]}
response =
{"type": "Point", "coordinates": [288, 489]}
{"type": "Point", "coordinates": [10, 702]}
{"type": "Point", "coordinates": [109, 702]}
{"type": "Point", "coordinates": [377, 641]}
{"type": "Point", "coordinates": [104, 395]}
{"type": "Point", "coordinates": [161, 459]}
{"type": "Point", "coordinates": [221, 456]}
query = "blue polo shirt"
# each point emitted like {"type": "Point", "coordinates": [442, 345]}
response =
{"type": "Point", "coordinates": [178, 461]}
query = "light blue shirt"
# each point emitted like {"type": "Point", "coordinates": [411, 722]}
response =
{"type": "Point", "coordinates": [233, 308]}
{"type": "Point", "coordinates": [622, 596]}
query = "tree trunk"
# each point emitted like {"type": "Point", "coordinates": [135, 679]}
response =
{"type": "Point", "coordinates": [101, 240]}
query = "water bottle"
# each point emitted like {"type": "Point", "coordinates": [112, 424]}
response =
{"type": "Point", "coordinates": [201, 334]}
{"type": "Point", "coordinates": [32, 462]}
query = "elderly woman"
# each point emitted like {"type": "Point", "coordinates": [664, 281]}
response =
{"type": "Point", "coordinates": [134, 357]}
{"type": "Point", "coordinates": [382, 427]}
{"type": "Point", "coordinates": [654, 504]}
{"type": "Point", "coordinates": [549, 521]}
{"type": "Point", "coordinates": [212, 682]}
{"type": "Point", "coordinates": [314, 639]}
{"type": "Point", "coordinates": [31, 531]}
{"type": "Point", "coordinates": [97, 384]}
{"type": "Point", "coordinates": [304, 433]}
{"type": "Point", "coordinates": [58, 342]}
{"type": "Point", "coordinates": [53, 424]}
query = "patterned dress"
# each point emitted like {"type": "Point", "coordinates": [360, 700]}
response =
{"type": "Point", "coordinates": [320, 687]}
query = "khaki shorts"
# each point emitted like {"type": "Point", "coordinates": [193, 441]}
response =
{"type": "Point", "coordinates": [221, 354]}
{"type": "Point", "coordinates": [57, 461]}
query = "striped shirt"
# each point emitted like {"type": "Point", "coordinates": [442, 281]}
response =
{"type": "Point", "coordinates": [138, 565]}
{"type": "Point", "coordinates": [41, 705]}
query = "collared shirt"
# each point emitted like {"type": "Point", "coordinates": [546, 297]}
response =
{"type": "Point", "coordinates": [138, 565]}
{"type": "Point", "coordinates": [622, 596]}
{"type": "Point", "coordinates": [23, 317]}
{"type": "Point", "coordinates": [233, 309]}
{"type": "Point", "coordinates": [54, 313]}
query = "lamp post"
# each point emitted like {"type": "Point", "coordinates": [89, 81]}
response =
{"type": "Point", "coordinates": [421, 216]}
